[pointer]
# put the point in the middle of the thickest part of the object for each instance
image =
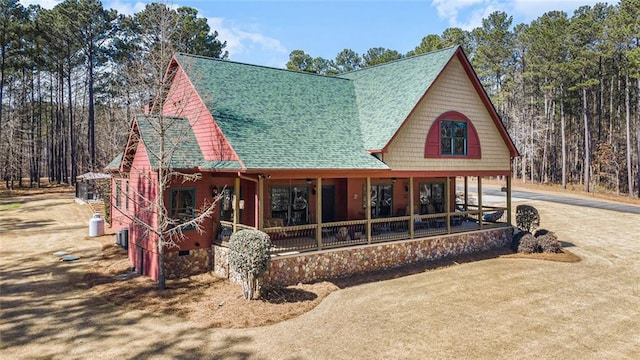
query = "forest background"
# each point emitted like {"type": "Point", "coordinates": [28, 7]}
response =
{"type": "Point", "coordinates": [567, 86]}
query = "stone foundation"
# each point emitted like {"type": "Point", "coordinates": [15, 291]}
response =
{"type": "Point", "coordinates": [197, 261]}
{"type": "Point", "coordinates": [327, 264]}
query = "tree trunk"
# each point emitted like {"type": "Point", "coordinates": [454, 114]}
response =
{"type": "Point", "coordinates": [564, 140]}
{"type": "Point", "coordinates": [627, 107]}
{"type": "Point", "coordinates": [638, 137]}
{"type": "Point", "coordinates": [72, 130]}
{"type": "Point", "coordinates": [92, 142]}
{"type": "Point", "coordinates": [587, 160]}
{"type": "Point", "coordinates": [2, 66]}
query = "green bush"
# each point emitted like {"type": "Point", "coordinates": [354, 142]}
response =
{"type": "Point", "coordinates": [527, 218]}
{"type": "Point", "coordinates": [249, 257]}
{"type": "Point", "coordinates": [548, 241]}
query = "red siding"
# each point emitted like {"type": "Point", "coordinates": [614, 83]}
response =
{"type": "Point", "coordinates": [184, 101]}
{"type": "Point", "coordinates": [143, 183]}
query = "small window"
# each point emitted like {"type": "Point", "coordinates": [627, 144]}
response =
{"type": "Point", "coordinates": [126, 197]}
{"type": "Point", "coordinates": [453, 137]}
{"type": "Point", "coordinates": [182, 207]}
{"type": "Point", "coordinates": [226, 204]}
{"type": "Point", "coordinates": [118, 193]}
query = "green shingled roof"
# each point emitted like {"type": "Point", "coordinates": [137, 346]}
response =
{"type": "Point", "coordinates": [280, 119]}
{"type": "Point", "coordinates": [387, 93]}
{"type": "Point", "coordinates": [180, 143]}
{"type": "Point", "coordinates": [114, 165]}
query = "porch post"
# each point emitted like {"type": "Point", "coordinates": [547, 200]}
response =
{"type": "Point", "coordinates": [260, 203]}
{"type": "Point", "coordinates": [509, 199]}
{"type": "Point", "coordinates": [466, 193]}
{"type": "Point", "coordinates": [368, 209]}
{"type": "Point", "coordinates": [411, 213]}
{"type": "Point", "coordinates": [447, 203]}
{"type": "Point", "coordinates": [319, 212]}
{"type": "Point", "coordinates": [480, 201]}
{"type": "Point", "coordinates": [236, 204]}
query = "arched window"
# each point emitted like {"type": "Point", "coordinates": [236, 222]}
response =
{"type": "Point", "coordinates": [452, 135]}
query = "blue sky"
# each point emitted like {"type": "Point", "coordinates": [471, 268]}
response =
{"type": "Point", "coordinates": [265, 32]}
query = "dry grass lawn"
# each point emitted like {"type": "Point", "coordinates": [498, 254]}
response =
{"type": "Point", "coordinates": [491, 305]}
{"type": "Point", "coordinates": [222, 301]}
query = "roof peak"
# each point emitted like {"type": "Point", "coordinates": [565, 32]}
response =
{"type": "Point", "coordinates": [258, 66]}
{"type": "Point", "coordinates": [430, 53]}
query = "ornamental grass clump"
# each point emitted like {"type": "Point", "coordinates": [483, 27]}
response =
{"type": "Point", "coordinates": [544, 241]}
{"type": "Point", "coordinates": [528, 244]}
{"type": "Point", "coordinates": [548, 241]}
{"type": "Point", "coordinates": [249, 258]}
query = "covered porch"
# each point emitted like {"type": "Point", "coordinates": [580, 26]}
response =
{"type": "Point", "coordinates": [312, 214]}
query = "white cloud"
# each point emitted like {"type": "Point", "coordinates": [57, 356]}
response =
{"type": "Point", "coordinates": [241, 42]}
{"type": "Point", "coordinates": [532, 9]}
{"type": "Point", "coordinates": [468, 14]}
{"type": "Point", "coordinates": [125, 7]}
{"type": "Point", "coordinates": [450, 9]}
{"type": "Point", "coordinates": [46, 4]}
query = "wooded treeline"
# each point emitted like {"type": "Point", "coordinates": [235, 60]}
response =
{"type": "Point", "coordinates": [566, 86]}
{"type": "Point", "coordinates": [73, 76]}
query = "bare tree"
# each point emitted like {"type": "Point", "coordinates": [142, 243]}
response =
{"type": "Point", "coordinates": [164, 138]}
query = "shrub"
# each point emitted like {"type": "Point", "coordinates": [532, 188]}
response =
{"type": "Point", "coordinates": [528, 244]}
{"type": "Point", "coordinates": [249, 257]}
{"type": "Point", "coordinates": [548, 241]}
{"type": "Point", "coordinates": [527, 218]}
{"type": "Point", "coordinates": [515, 242]}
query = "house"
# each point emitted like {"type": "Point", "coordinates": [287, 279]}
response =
{"type": "Point", "coordinates": [347, 174]}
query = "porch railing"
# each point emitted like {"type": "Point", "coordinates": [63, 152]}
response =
{"type": "Point", "coordinates": [302, 238]}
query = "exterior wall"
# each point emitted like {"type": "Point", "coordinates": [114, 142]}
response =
{"type": "Point", "coordinates": [143, 188]}
{"type": "Point", "coordinates": [452, 91]}
{"type": "Point", "coordinates": [184, 101]}
{"type": "Point", "coordinates": [400, 193]}
{"type": "Point", "coordinates": [290, 270]}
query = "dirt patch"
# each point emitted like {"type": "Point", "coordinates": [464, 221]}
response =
{"type": "Point", "coordinates": [221, 301]}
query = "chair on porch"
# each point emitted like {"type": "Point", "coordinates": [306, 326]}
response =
{"type": "Point", "coordinates": [418, 224]}
{"type": "Point", "coordinates": [493, 217]}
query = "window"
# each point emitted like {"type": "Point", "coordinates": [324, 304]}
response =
{"type": "Point", "coordinates": [453, 137]}
{"type": "Point", "coordinates": [182, 207]}
{"type": "Point", "coordinates": [118, 193]}
{"type": "Point", "coordinates": [290, 203]}
{"type": "Point", "coordinates": [226, 204]}
{"type": "Point", "coordinates": [431, 198]}
{"type": "Point", "coordinates": [126, 198]}
{"type": "Point", "coordinates": [381, 200]}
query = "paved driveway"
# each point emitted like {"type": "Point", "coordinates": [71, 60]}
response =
{"type": "Point", "coordinates": [501, 308]}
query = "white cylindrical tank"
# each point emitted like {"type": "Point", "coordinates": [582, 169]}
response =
{"type": "Point", "coordinates": [96, 225]}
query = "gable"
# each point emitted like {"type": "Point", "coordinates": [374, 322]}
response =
{"type": "Point", "coordinates": [184, 101]}
{"type": "Point", "coordinates": [180, 146]}
{"type": "Point", "coordinates": [386, 94]}
{"type": "Point", "coordinates": [453, 91]}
